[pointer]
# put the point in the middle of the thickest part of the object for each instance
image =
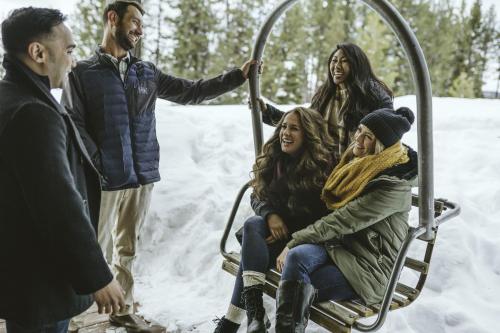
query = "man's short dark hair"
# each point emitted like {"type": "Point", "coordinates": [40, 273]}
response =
{"type": "Point", "coordinates": [120, 7]}
{"type": "Point", "coordinates": [25, 25]}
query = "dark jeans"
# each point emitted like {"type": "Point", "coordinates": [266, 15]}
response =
{"type": "Point", "coordinates": [312, 264]}
{"type": "Point", "coordinates": [256, 254]}
{"type": "Point", "coordinates": [57, 327]}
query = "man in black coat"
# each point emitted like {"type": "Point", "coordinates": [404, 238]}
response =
{"type": "Point", "coordinates": [51, 265]}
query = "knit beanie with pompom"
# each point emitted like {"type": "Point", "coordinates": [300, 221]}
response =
{"type": "Point", "coordinates": [387, 125]}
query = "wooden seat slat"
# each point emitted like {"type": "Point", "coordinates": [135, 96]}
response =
{"type": "Point", "coordinates": [329, 322]}
{"type": "Point", "coordinates": [360, 309]}
{"type": "Point", "coordinates": [402, 301]}
{"type": "Point", "coordinates": [337, 311]}
{"type": "Point", "coordinates": [417, 265]}
{"type": "Point", "coordinates": [393, 306]}
{"type": "Point", "coordinates": [409, 292]}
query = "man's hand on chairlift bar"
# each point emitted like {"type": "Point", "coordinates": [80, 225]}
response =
{"type": "Point", "coordinates": [247, 65]}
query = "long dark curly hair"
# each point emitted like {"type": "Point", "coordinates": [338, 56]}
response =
{"type": "Point", "coordinates": [360, 86]}
{"type": "Point", "coordinates": [305, 173]}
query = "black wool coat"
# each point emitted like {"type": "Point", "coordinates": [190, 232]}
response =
{"type": "Point", "coordinates": [50, 261]}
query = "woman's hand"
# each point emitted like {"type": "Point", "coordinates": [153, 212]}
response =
{"type": "Point", "coordinates": [262, 104]}
{"type": "Point", "coordinates": [277, 227]}
{"type": "Point", "coordinates": [280, 261]}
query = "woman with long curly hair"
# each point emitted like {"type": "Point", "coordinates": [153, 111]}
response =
{"type": "Point", "coordinates": [287, 183]}
{"type": "Point", "coordinates": [350, 91]}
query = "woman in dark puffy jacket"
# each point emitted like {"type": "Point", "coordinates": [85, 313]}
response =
{"type": "Point", "coordinates": [287, 183]}
{"type": "Point", "coordinates": [350, 92]}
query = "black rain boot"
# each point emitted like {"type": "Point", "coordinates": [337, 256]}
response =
{"type": "Point", "coordinates": [256, 314]}
{"type": "Point", "coordinates": [293, 301]}
{"type": "Point", "coordinates": [225, 326]}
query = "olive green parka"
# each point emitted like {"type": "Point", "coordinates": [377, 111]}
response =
{"type": "Point", "coordinates": [364, 236]}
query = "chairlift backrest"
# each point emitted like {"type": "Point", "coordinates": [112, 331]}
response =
{"type": "Point", "coordinates": [341, 316]}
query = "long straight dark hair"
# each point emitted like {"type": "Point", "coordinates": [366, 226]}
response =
{"type": "Point", "coordinates": [360, 86]}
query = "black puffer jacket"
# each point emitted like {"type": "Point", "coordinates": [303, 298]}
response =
{"type": "Point", "coordinates": [49, 206]}
{"type": "Point", "coordinates": [311, 206]}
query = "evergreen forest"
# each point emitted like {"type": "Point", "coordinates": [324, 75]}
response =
{"type": "Point", "coordinates": [202, 38]}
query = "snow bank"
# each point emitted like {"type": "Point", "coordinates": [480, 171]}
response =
{"type": "Point", "coordinates": [206, 156]}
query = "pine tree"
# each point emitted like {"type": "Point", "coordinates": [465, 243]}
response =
{"type": "Point", "coordinates": [412, 11]}
{"type": "Point", "coordinates": [286, 81]}
{"type": "Point", "coordinates": [194, 24]}
{"type": "Point", "coordinates": [462, 87]}
{"type": "Point", "coordinates": [496, 52]}
{"type": "Point", "coordinates": [327, 27]}
{"type": "Point", "coordinates": [2, 70]}
{"type": "Point", "coordinates": [475, 41]}
{"type": "Point", "coordinates": [484, 47]}
{"type": "Point", "coordinates": [475, 58]}
{"type": "Point", "coordinates": [239, 22]}
{"type": "Point", "coordinates": [376, 39]}
{"type": "Point", "coordinates": [439, 48]}
{"type": "Point", "coordinates": [87, 26]}
{"type": "Point", "coordinates": [157, 37]}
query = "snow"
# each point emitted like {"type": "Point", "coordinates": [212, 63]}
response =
{"type": "Point", "coordinates": [206, 155]}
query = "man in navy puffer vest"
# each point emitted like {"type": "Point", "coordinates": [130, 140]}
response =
{"type": "Point", "coordinates": [112, 99]}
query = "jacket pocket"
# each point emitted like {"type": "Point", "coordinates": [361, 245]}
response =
{"type": "Point", "coordinates": [374, 240]}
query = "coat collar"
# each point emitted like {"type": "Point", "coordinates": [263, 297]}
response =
{"type": "Point", "coordinates": [105, 58]}
{"type": "Point", "coordinates": [19, 73]}
{"type": "Point", "coordinates": [404, 174]}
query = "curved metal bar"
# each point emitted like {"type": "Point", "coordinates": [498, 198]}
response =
{"type": "Point", "coordinates": [393, 281]}
{"type": "Point", "coordinates": [230, 220]}
{"type": "Point", "coordinates": [422, 82]}
{"type": "Point", "coordinates": [253, 81]}
{"type": "Point", "coordinates": [452, 210]}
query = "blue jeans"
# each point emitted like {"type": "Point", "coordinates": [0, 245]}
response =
{"type": "Point", "coordinates": [57, 327]}
{"type": "Point", "coordinates": [256, 254]}
{"type": "Point", "coordinates": [312, 264]}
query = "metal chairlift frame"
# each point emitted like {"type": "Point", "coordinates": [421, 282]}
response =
{"type": "Point", "coordinates": [429, 219]}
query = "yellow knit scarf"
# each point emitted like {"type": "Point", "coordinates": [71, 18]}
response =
{"type": "Point", "coordinates": [351, 175]}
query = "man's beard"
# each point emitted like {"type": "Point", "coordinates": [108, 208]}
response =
{"type": "Point", "coordinates": [122, 38]}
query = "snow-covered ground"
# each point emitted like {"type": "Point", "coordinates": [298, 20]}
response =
{"type": "Point", "coordinates": [206, 155]}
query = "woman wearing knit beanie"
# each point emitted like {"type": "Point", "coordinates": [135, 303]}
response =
{"type": "Point", "coordinates": [350, 252]}
{"type": "Point", "coordinates": [350, 91]}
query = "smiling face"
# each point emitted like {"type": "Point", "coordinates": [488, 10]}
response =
{"type": "Point", "coordinates": [340, 68]}
{"type": "Point", "coordinates": [291, 134]}
{"type": "Point", "coordinates": [129, 28]}
{"type": "Point", "coordinates": [364, 142]}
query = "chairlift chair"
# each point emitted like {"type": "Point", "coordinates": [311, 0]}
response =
{"type": "Point", "coordinates": [343, 316]}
